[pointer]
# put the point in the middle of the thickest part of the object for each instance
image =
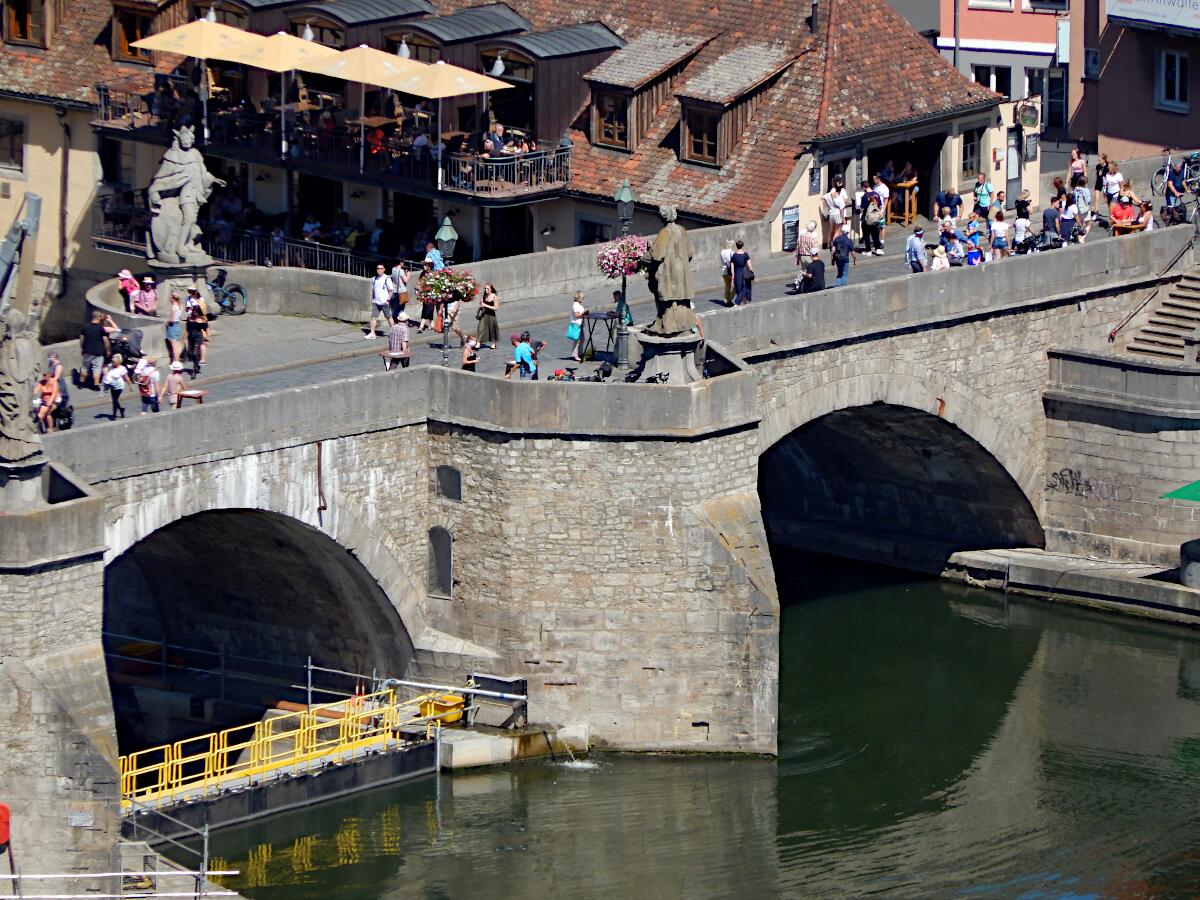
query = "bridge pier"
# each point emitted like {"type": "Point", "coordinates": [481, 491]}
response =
{"type": "Point", "coordinates": [56, 718]}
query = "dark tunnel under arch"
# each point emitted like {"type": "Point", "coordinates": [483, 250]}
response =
{"type": "Point", "coordinates": [891, 484]}
{"type": "Point", "coordinates": [247, 591]}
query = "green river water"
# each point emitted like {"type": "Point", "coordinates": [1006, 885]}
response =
{"type": "Point", "coordinates": [934, 741]}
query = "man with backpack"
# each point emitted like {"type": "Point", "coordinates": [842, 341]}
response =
{"type": "Point", "coordinates": [872, 225]}
{"type": "Point", "coordinates": [146, 377]}
{"type": "Point", "coordinates": [843, 253]}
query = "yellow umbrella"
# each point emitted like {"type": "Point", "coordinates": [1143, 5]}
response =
{"type": "Point", "coordinates": [445, 80]}
{"type": "Point", "coordinates": [283, 52]}
{"type": "Point", "coordinates": [202, 40]}
{"type": "Point", "coordinates": [365, 65]}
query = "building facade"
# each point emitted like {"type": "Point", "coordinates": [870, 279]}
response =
{"type": "Point", "coordinates": [1131, 90]}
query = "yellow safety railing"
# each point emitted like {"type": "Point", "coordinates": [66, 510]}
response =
{"type": "Point", "coordinates": [195, 767]}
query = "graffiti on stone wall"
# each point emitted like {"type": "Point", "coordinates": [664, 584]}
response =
{"type": "Point", "coordinates": [1072, 482]}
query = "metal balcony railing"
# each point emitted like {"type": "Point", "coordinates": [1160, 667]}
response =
{"type": "Point", "coordinates": [120, 227]}
{"type": "Point", "coordinates": [337, 147]}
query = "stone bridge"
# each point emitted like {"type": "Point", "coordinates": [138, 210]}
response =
{"type": "Point", "coordinates": [611, 543]}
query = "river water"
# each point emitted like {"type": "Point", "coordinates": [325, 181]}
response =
{"type": "Point", "coordinates": [934, 741]}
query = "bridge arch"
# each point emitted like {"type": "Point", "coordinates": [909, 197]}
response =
{"type": "Point", "coordinates": [884, 467]}
{"type": "Point", "coordinates": [240, 598]}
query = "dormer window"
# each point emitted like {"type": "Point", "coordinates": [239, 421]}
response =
{"type": "Point", "coordinates": [25, 22]}
{"type": "Point", "coordinates": [610, 119]}
{"type": "Point", "coordinates": [699, 139]}
{"type": "Point", "coordinates": [226, 13]}
{"type": "Point", "coordinates": [129, 25]}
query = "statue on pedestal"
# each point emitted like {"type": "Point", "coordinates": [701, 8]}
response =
{"type": "Point", "coordinates": [19, 354]}
{"type": "Point", "coordinates": [670, 278]}
{"type": "Point", "coordinates": [176, 193]}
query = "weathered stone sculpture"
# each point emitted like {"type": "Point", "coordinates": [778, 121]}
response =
{"type": "Point", "coordinates": [670, 278]}
{"type": "Point", "coordinates": [176, 193]}
{"type": "Point", "coordinates": [19, 351]}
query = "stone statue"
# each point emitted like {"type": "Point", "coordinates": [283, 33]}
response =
{"type": "Point", "coordinates": [19, 354]}
{"type": "Point", "coordinates": [175, 196]}
{"type": "Point", "coordinates": [670, 278]}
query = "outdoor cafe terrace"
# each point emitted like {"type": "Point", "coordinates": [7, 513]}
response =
{"type": "Point", "coordinates": [326, 137]}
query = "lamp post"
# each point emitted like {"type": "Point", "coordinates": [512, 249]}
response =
{"type": "Point", "coordinates": [625, 200]}
{"type": "Point", "coordinates": [445, 238]}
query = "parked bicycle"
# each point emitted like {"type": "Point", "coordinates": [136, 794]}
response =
{"type": "Point", "coordinates": [1191, 172]}
{"type": "Point", "coordinates": [230, 297]}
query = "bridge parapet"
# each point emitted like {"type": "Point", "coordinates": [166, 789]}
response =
{"type": "Point", "coordinates": [874, 309]}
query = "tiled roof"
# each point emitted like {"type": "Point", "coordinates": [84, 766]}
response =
{"type": "Point", "coordinates": [472, 24]}
{"type": "Point", "coordinates": [876, 82]}
{"type": "Point", "coordinates": [363, 12]}
{"type": "Point", "coordinates": [77, 58]}
{"type": "Point", "coordinates": [732, 74]}
{"type": "Point", "coordinates": [567, 41]}
{"type": "Point", "coordinates": [646, 56]}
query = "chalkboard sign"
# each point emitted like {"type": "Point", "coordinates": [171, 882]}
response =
{"type": "Point", "coordinates": [791, 227]}
{"type": "Point", "coordinates": [1031, 147]}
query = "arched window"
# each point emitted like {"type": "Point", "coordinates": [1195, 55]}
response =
{"type": "Point", "coordinates": [231, 14]}
{"type": "Point", "coordinates": [449, 483]}
{"type": "Point", "coordinates": [441, 562]}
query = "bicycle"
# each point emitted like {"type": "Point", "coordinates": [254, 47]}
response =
{"type": "Point", "coordinates": [231, 298]}
{"type": "Point", "coordinates": [1191, 172]}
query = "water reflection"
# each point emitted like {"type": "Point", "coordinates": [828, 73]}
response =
{"type": "Point", "coordinates": [933, 740]}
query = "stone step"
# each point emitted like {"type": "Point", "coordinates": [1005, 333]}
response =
{"type": "Point", "coordinates": [1166, 331]}
{"type": "Point", "coordinates": [1186, 300]}
{"type": "Point", "coordinates": [1175, 325]}
{"type": "Point", "coordinates": [1187, 287]}
{"type": "Point", "coordinates": [1185, 316]}
{"type": "Point", "coordinates": [1191, 278]}
{"type": "Point", "coordinates": [1152, 350]}
{"type": "Point", "coordinates": [1145, 336]}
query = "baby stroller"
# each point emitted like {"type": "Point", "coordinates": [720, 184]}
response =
{"type": "Point", "coordinates": [127, 342]}
{"type": "Point", "coordinates": [1028, 245]}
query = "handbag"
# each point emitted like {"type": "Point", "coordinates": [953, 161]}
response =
{"type": "Point", "coordinates": [573, 331]}
{"type": "Point", "coordinates": [479, 314]}
{"type": "Point", "coordinates": [749, 276]}
{"type": "Point", "coordinates": [439, 324]}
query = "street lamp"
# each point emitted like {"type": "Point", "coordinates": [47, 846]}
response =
{"type": "Point", "coordinates": [446, 238]}
{"type": "Point", "coordinates": [625, 203]}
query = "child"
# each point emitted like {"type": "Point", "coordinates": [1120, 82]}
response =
{"type": "Point", "coordinates": [129, 288]}
{"type": "Point", "coordinates": [115, 380]}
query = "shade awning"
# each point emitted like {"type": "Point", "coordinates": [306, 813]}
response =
{"type": "Point", "coordinates": [203, 40]}
{"type": "Point", "coordinates": [365, 65]}
{"type": "Point", "coordinates": [1187, 492]}
{"type": "Point", "coordinates": [441, 79]}
{"type": "Point", "coordinates": [283, 52]}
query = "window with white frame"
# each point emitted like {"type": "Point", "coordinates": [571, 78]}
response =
{"type": "Point", "coordinates": [989, 4]}
{"type": "Point", "coordinates": [972, 140]}
{"type": "Point", "coordinates": [1171, 81]}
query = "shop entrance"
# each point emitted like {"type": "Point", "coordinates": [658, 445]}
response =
{"type": "Point", "coordinates": [924, 153]}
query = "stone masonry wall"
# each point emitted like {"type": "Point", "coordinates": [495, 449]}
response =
{"type": "Point", "coordinates": [1105, 473]}
{"type": "Point", "coordinates": [589, 567]}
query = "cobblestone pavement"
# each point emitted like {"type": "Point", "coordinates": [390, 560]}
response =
{"type": "Point", "coordinates": [256, 354]}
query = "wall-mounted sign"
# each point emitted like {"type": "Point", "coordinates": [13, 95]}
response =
{"type": "Point", "coordinates": [1031, 147]}
{"type": "Point", "coordinates": [1177, 13]}
{"type": "Point", "coordinates": [1028, 115]}
{"type": "Point", "coordinates": [791, 228]}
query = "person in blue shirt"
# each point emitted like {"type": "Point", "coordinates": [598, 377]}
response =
{"type": "Point", "coordinates": [525, 357]}
{"type": "Point", "coordinates": [947, 204]}
{"type": "Point", "coordinates": [983, 194]}
{"type": "Point", "coordinates": [434, 256]}
{"type": "Point", "coordinates": [1176, 185]}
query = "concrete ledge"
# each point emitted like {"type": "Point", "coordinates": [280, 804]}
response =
{"type": "Point", "coordinates": [385, 400]}
{"type": "Point", "coordinates": [1124, 383]}
{"type": "Point", "coordinates": [1078, 581]}
{"type": "Point", "coordinates": [69, 527]}
{"type": "Point", "coordinates": [908, 301]}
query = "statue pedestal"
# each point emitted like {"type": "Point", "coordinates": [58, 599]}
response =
{"type": "Point", "coordinates": [21, 485]}
{"type": "Point", "coordinates": [673, 356]}
{"type": "Point", "coordinates": [177, 278]}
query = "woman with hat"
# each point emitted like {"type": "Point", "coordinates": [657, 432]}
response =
{"type": "Point", "coordinates": [939, 259]}
{"type": "Point", "coordinates": [129, 288]}
{"type": "Point", "coordinates": [146, 301]}
{"type": "Point", "coordinates": [173, 385]}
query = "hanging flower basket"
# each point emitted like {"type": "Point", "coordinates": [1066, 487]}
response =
{"type": "Point", "coordinates": [447, 286]}
{"type": "Point", "coordinates": [623, 256]}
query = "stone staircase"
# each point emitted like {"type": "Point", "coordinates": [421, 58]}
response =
{"type": "Point", "coordinates": [1171, 322]}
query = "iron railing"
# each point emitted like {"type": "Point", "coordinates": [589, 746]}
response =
{"type": "Point", "coordinates": [121, 227]}
{"type": "Point", "coordinates": [343, 149]}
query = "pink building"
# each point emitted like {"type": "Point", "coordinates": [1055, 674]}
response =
{"type": "Point", "coordinates": [1131, 75]}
